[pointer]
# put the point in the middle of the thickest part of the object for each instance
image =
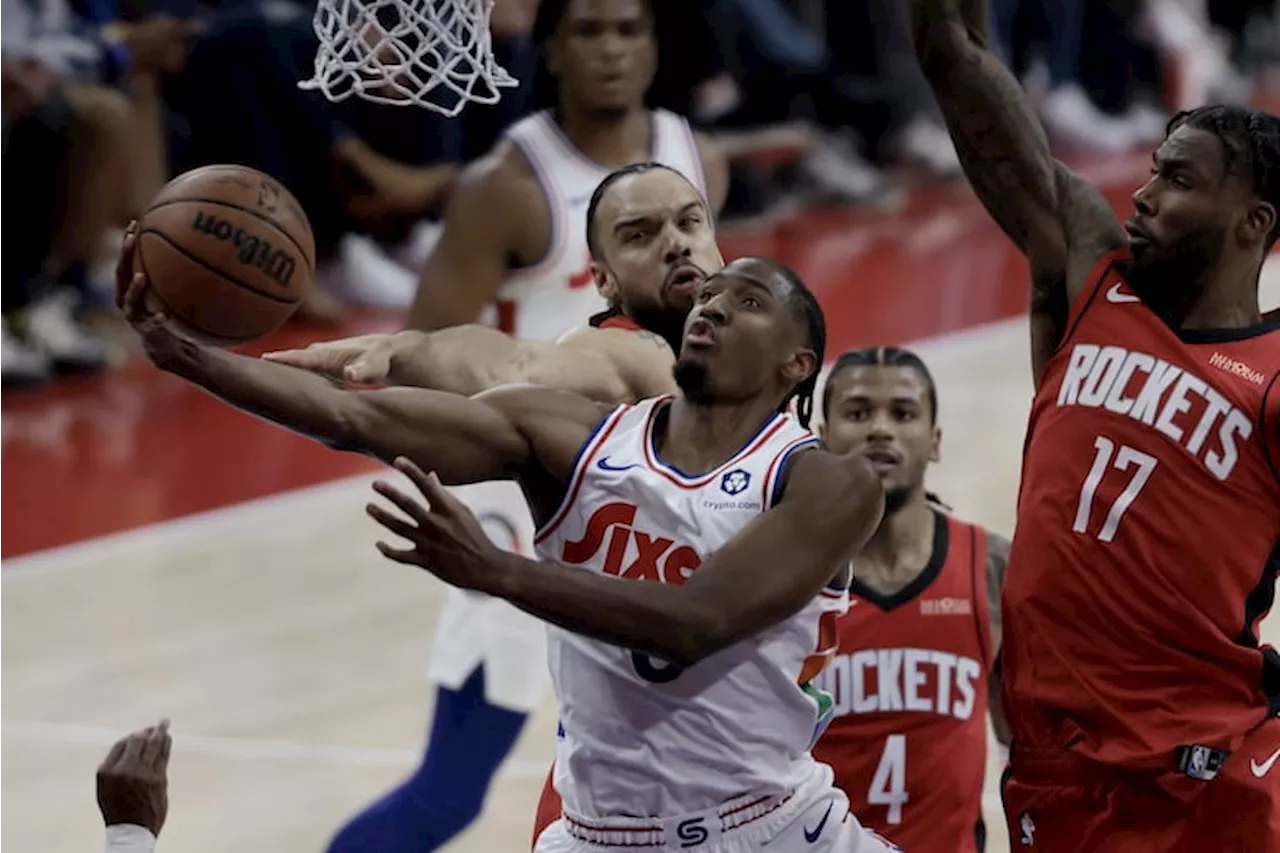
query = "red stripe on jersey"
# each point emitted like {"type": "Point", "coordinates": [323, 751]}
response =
{"type": "Point", "coordinates": [775, 468]}
{"type": "Point", "coordinates": [588, 452]}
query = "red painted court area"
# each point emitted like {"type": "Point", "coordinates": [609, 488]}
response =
{"type": "Point", "coordinates": [97, 456]}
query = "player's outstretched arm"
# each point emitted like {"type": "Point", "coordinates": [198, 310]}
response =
{"type": "Point", "coordinates": [606, 365]}
{"type": "Point", "coordinates": [465, 439]}
{"type": "Point", "coordinates": [1061, 223]}
{"type": "Point", "coordinates": [769, 571]}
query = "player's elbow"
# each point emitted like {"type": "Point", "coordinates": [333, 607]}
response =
{"type": "Point", "coordinates": [692, 631]}
{"type": "Point", "coordinates": [694, 642]}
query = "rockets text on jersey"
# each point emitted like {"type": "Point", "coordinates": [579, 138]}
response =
{"type": "Point", "coordinates": [640, 736]}
{"type": "Point", "coordinates": [1148, 537]}
{"type": "Point", "coordinates": [544, 301]}
{"type": "Point", "coordinates": [908, 739]}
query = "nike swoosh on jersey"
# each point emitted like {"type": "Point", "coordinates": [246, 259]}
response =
{"type": "Point", "coordinates": [604, 465]}
{"type": "Point", "coordinates": [1260, 770]}
{"type": "Point", "coordinates": [812, 836]}
{"type": "Point", "coordinates": [1114, 295]}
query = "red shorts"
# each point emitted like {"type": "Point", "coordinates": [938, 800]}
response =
{"type": "Point", "coordinates": [549, 807]}
{"type": "Point", "coordinates": [1058, 805]}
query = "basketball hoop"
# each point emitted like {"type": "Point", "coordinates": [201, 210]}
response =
{"type": "Point", "coordinates": [432, 53]}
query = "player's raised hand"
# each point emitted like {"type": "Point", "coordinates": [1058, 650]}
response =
{"type": "Point", "coordinates": [363, 360]}
{"type": "Point", "coordinates": [133, 780]}
{"type": "Point", "coordinates": [446, 538]}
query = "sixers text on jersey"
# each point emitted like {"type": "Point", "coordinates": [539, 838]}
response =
{"type": "Point", "coordinates": [740, 721]}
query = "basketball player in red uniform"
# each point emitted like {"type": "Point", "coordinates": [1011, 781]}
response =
{"type": "Point", "coordinates": [918, 645]}
{"type": "Point", "coordinates": [1142, 703]}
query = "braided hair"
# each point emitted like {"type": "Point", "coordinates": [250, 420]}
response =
{"type": "Point", "coordinates": [806, 308]}
{"type": "Point", "coordinates": [887, 357]}
{"type": "Point", "coordinates": [882, 357]}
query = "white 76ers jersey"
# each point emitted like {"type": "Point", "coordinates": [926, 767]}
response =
{"type": "Point", "coordinates": [640, 736]}
{"type": "Point", "coordinates": [558, 293]}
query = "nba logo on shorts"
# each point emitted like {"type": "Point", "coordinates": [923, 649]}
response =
{"type": "Point", "coordinates": [1027, 830]}
{"type": "Point", "coordinates": [735, 482]}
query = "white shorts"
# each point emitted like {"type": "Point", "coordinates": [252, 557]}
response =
{"type": "Point", "coordinates": [477, 630]}
{"type": "Point", "coordinates": [815, 817]}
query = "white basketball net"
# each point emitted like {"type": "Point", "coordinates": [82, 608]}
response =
{"type": "Point", "coordinates": [433, 53]}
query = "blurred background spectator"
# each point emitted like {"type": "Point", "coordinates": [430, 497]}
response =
{"type": "Point", "coordinates": [816, 101]}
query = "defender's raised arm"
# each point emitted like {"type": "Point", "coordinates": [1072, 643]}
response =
{"type": "Point", "coordinates": [1062, 224]}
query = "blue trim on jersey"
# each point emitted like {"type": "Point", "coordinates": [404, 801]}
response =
{"type": "Point", "coordinates": [776, 492]}
{"type": "Point", "coordinates": [653, 446]}
{"type": "Point", "coordinates": [573, 470]}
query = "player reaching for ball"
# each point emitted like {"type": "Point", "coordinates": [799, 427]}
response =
{"type": "Point", "coordinates": [1143, 706]}
{"type": "Point", "coordinates": [230, 250]}
{"type": "Point", "coordinates": [513, 253]}
{"type": "Point", "coordinates": [683, 653]}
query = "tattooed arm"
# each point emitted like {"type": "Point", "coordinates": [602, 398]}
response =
{"type": "Point", "coordinates": [997, 560]}
{"type": "Point", "coordinates": [1062, 224]}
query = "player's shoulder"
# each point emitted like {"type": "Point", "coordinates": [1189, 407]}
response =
{"type": "Point", "coordinates": [503, 177]}
{"type": "Point", "coordinates": [642, 359]}
{"type": "Point", "coordinates": [814, 470]}
{"type": "Point", "coordinates": [617, 339]}
{"type": "Point", "coordinates": [986, 544]}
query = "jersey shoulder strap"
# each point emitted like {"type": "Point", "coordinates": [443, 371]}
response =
{"type": "Point", "coordinates": [612, 318]}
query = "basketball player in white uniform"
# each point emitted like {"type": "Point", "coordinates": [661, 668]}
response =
{"type": "Point", "coordinates": [513, 255]}
{"type": "Point", "coordinates": [540, 303]}
{"type": "Point", "coordinates": [698, 545]}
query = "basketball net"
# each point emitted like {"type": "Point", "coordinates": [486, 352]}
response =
{"type": "Point", "coordinates": [436, 54]}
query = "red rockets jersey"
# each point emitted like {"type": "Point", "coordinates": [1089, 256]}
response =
{"type": "Point", "coordinates": [1148, 539]}
{"type": "Point", "coordinates": [908, 742]}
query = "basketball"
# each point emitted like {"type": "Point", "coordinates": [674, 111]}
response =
{"type": "Point", "coordinates": [228, 252]}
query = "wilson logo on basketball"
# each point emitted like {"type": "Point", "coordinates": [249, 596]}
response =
{"type": "Point", "coordinates": [275, 263]}
{"type": "Point", "coordinates": [631, 553]}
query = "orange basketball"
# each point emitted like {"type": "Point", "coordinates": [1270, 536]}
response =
{"type": "Point", "coordinates": [228, 251]}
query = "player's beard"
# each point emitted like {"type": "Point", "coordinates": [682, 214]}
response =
{"type": "Point", "coordinates": [693, 380]}
{"type": "Point", "coordinates": [896, 499]}
{"type": "Point", "coordinates": [1171, 278]}
{"type": "Point", "coordinates": [659, 319]}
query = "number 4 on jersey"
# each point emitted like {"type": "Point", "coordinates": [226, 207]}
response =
{"type": "Point", "coordinates": [889, 785]}
{"type": "Point", "coordinates": [1123, 460]}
